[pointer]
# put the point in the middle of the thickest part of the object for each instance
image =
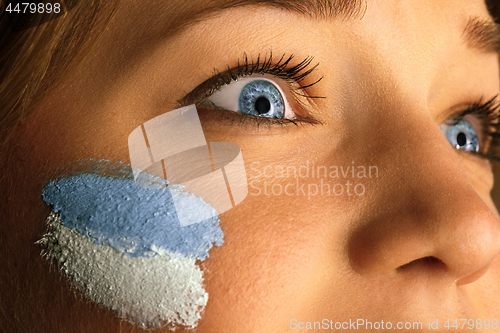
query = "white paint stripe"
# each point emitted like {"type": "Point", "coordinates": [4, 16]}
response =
{"type": "Point", "coordinates": [150, 292]}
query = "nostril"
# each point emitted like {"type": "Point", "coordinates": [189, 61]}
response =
{"type": "Point", "coordinates": [427, 263]}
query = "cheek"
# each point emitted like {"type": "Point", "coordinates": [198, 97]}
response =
{"type": "Point", "coordinates": [264, 264]}
{"type": "Point", "coordinates": [284, 245]}
{"type": "Point", "coordinates": [480, 174]}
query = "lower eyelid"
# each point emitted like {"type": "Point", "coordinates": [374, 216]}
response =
{"type": "Point", "coordinates": [221, 116]}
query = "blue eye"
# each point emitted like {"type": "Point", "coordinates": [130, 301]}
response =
{"type": "Point", "coordinates": [255, 95]}
{"type": "Point", "coordinates": [261, 98]}
{"type": "Point", "coordinates": [462, 136]}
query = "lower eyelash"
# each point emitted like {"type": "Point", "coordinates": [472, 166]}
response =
{"type": "Point", "coordinates": [217, 114]}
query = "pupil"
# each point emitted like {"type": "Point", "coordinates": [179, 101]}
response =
{"type": "Point", "coordinates": [461, 139]}
{"type": "Point", "coordinates": [262, 105]}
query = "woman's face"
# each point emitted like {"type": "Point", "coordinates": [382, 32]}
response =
{"type": "Point", "coordinates": [371, 206]}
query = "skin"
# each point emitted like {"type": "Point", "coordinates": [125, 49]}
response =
{"type": "Point", "coordinates": [421, 244]}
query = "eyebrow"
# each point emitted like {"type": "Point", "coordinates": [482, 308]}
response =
{"type": "Point", "coordinates": [349, 9]}
{"type": "Point", "coordinates": [315, 9]}
{"type": "Point", "coordinates": [482, 34]}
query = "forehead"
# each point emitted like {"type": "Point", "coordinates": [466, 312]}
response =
{"type": "Point", "coordinates": [168, 18]}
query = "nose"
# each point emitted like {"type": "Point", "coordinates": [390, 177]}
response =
{"type": "Point", "coordinates": [427, 215]}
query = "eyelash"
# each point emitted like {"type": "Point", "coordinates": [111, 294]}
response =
{"type": "Point", "coordinates": [488, 114]}
{"type": "Point", "coordinates": [291, 75]}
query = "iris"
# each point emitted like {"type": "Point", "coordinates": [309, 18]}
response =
{"type": "Point", "coordinates": [463, 136]}
{"type": "Point", "coordinates": [262, 98]}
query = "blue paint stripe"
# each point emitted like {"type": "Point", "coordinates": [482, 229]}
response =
{"type": "Point", "coordinates": [133, 220]}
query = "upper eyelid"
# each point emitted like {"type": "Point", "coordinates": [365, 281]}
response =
{"type": "Point", "coordinates": [268, 77]}
{"type": "Point", "coordinates": [478, 108]}
{"type": "Point", "coordinates": [281, 69]}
